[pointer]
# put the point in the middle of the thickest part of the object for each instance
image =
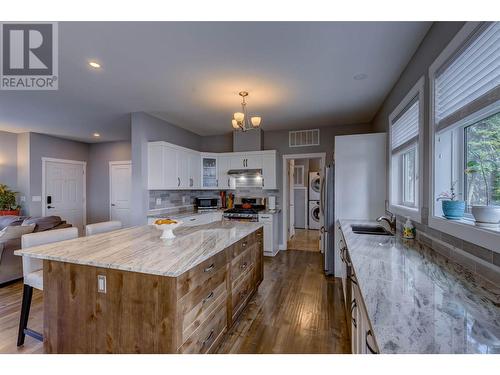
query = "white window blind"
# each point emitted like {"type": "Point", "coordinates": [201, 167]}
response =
{"type": "Point", "coordinates": [404, 128]}
{"type": "Point", "coordinates": [471, 79]}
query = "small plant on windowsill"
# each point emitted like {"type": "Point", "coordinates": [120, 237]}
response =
{"type": "Point", "coordinates": [485, 215]}
{"type": "Point", "coordinates": [453, 209]}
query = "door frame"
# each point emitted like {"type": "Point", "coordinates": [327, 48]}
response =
{"type": "Point", "coordinates": [284, 187]}
{"type": "Point", "coordinates": [110, 165]}
{"type": "Point", "coordinates": [84, 187]}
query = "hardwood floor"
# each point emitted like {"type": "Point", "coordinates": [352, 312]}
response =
{"type": "Point", "coordinates": [305, 239]}
{"type": "Point", "coordinates": [296, 310]}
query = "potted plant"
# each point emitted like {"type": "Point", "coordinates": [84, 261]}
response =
{"type": "Point", "coordinates": [453, 209]}
{"type": "Point", "coordinates": [8, 205]}
{"type": "Point", "coordinates": [484, 215]}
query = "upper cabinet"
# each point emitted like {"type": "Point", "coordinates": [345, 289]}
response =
{"type": "Point", "coordinates": [250, 160]}
{"type": "Point", "coordinates": [269, 167]}
{"type": "Point", "coordinates": [209, 176]}
{"type": "Point", "coordinates": [225, 182]}
{"type": "Point", "coordinates": [171, 167]}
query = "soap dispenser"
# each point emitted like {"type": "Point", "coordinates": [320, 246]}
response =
{"type": "Point", "coordinates": [408, 229]}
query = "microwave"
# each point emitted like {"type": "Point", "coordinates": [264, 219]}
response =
{"type": "Point", "coordinates": [207, 203]}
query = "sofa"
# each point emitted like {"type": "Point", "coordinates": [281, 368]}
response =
{"type": "Point", "coordinates": [11, 266]}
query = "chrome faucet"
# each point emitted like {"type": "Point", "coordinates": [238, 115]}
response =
{"type": "Point", "coordinates": [391, 220]}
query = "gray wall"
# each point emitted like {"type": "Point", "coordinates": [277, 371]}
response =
{"type": "Point", "coordinates": [278, 140]}
{"type": "Point", "coordinates": [147, 128]}
{"type": "Point", "coordinates": [439, 35]}
{"type": "Point", "coordinates": [217, 143]}
{"type": "Point", "coordinates": [8, 159]}
{"type": "Point", "coordinates": [100, 154]}
{"type": "Point", "coordinates": [42, 145]}
{"type": "Point", "coordinates": [23, 169]}
{"type": "Point", "coordinates": [248, 141]}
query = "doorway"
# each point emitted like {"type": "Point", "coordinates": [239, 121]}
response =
{"type": "Point", "coordinates": [302, 217]}
{"type": "Point", "coordinates": [120, 180]}
{"type": "Point", "coordinates": [64, 190]}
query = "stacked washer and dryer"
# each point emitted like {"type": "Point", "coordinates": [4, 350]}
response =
{"type": "Point", "coordinates": [314, 197]}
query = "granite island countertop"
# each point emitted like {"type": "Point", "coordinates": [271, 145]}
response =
{"type": "Point", "coordinates": [420, 302]}
{"type": "Point", "coordinates": [140, 249]}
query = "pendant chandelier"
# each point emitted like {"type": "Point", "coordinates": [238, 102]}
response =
{"type": "Point", "coordinates": [240, 119]}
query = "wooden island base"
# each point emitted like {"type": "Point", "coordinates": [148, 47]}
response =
{"type": "Point", "coordinates": [142, 313]}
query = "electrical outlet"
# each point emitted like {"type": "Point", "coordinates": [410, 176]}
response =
{"type": "Point", "coordinates": [158, 201]}
{"type": "Point", "coordinates": [101, 284]}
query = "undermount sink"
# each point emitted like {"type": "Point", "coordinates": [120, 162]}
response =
{"type": "Point", "coordinates": [370, 229]}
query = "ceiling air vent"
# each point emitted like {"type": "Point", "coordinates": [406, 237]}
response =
{"type": "Point", "coordinates": [301, 138]}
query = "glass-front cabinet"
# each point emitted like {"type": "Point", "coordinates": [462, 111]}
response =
{"type": "Point", "coordinates": [209, 171]}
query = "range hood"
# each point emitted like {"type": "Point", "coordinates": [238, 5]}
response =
{"type": "Point", "coordinates": [249, 173]}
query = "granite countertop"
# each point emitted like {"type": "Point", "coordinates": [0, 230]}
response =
{"type": "Point", "coordinates": [140, 249]}
{"type": "Point", "coordinates": [420, 302]}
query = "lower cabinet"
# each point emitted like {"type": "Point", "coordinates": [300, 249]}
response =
{"type": "Point", "coordinates": [358, 323]}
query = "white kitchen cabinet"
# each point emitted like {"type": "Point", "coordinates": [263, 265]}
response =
{"type": "Point", "coordinates": [224, 180]}
{"type": "Point", "coordinates": [162, 166]}
{"type": "Point", "coordinates": [194, 167]}
{"type": "Point", "coordinates": [250, 160]}
{"type": "Point", "coordinates": [271, 233]}
{"type": "Point", "coordinates": [182, 169]}
{"type": "Point", "coordinates": [269, 167]}
{"type": "Point", "coordinates": [209, 172]}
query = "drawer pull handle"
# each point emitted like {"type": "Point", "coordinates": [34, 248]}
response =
{"type": "Point", "coordinates": [244, 244]}
{"type": "Point", "coordinates": [369, 333]}
{"type": "Point", "coordinates": [208, 297]}
{"type": "Point", "coordinates": [244, 265]}
{"type": "Point", "coordinates": [209, 337]}
{"type": "Point", "coordinates": [209, 268]}
{"type": "Point", "coordinates": [353, 306]}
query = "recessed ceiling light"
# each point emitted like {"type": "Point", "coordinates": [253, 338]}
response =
{"type": "Point", "coordinates": [97, 135]}
{"type": "Point", "coordinates": [94, 64]}
{"type": "Point", "coordinates": [360, 76]}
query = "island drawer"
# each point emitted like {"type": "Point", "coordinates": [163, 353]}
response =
{"type": "Point", "coordinates": [208, 335]}
{"type": "Point", "coordinates": [198, 275]}
{"type": "Point", "coordinates": [243, 244]}
{"type": "Point", "coordinates": [196, 306]}
{"type": "Point", "coordinates": [241, 292]}
{"type": "Point", "coordinates": [241, 264]}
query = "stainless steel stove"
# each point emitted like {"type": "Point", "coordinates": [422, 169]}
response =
{"type": "Point", "coordinates": [241, 212]}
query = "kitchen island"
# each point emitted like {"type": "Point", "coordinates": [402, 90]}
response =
{"type": "Point", "coordinates": [407, 298]}
{"type": "Point", "coordinates": [128, 291]}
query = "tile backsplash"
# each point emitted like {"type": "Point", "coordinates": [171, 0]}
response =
{"type": "Point", "coordinates": [159, 199]}
{"type": "Point", "coordinates": [176, 198]}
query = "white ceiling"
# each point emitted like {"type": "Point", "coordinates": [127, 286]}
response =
{"type": "Point", "coordinates": [299, 75]}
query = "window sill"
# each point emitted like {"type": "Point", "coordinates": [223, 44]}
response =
{"type": "Point", "coordinates": [468, 231]}
{"type": "Point", "coordinates": [413, 213]}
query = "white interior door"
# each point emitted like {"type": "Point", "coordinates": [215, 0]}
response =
{"type": "Point", "coordinates": [64, 191]}
{"type": "Point", "coordinates": [291, 203]}
{"type": "Point", "coordinates": [120, 180]}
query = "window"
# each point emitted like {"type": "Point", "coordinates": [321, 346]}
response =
{"type": "Point", "coordinates": [465, 128]}
{"type": "Point", "coordinates": [482, 145]}
{"type": "Point", "coordinates": [298, 175]}
{"type": "Point", "coordinates": [405, 133]}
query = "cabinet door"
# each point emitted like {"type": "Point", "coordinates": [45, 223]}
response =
{"type": "Point", "coordinates": [155, 167]}
{"type": "Point", "coordinates": [194, 170]}
{"type": "Point", "coordinates": [183, 169]}
{"type": "Point", "coordinates": [169, 168]}
{"type": "Point", "coordinates": [237, 162]}
{"type": "Point", "coordinates": [209, 171]}
{"type": "Point", "coordinates": [269, 171]}
{"type": "Point", "coordinates": [224, 180]}
{"type": "Point", "coordinates": [253, 161]}
{"type": "Point", "coordinates": [268, 238]}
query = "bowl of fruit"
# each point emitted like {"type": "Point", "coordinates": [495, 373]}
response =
{"type": "Point", "coordinates": [167, 226]}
